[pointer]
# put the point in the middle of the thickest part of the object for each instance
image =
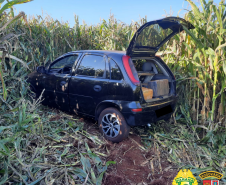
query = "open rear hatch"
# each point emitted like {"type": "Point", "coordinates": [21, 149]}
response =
{"type": "Point", "coordinates": [156, 83]}
{"type": "Point", "coordinates": [152, 35]}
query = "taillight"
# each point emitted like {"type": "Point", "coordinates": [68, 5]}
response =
{"type": "Point", "coordinates": [137, 110]}
{"type": "Point", "coordinates": [130, 70]}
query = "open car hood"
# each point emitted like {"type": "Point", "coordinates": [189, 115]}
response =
{"type": "Point", "coordinates": [152, 35]}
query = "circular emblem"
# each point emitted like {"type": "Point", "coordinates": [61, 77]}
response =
{"type": "Point", "coordinates": [185, 177]}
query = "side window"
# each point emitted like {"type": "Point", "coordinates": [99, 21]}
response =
{"type": "Point", "coordinates": [66, 61]}
{"type": "Point", "coordinates": [115, 71]}
{"type": "Point", "coordinates": [92, 65]}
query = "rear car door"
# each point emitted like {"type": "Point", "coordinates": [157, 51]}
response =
{"type": "Point", "coordinates": [88, 86]}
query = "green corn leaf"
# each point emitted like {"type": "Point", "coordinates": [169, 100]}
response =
{"type": "Point", "coordinates": [219, 47]}
{"type": "Point", "coordinates": [5, 149]}
{"type": "Point", "coordinates": [64, 152]}
{"type": "Point", "coordinates": [85, 163]}
{"type": "Point", "coordinates": [219, 18]}
{"type": "Point", "coordinates": [222, 31]}
{"type": "Point", "coordinates": [93, 177]}
{"type": "Point", "coordinates": [110, 162]}
{"type": "Point", "coordinates": [39, 179]}
{"type": "Point", "coordinates": [6, 140]}
{"type": "Point", "coordinates": [1, 1]}
{"type": "Point", "coordinates": [93, 156]}
{"type": "Point", "coordinates": [2, 128]}
{"type": "Point", "coordinates": [82, 174]}
{"type": "Point", "coordinates": [197, 41]}
{"type": "Point", "coordinates": [20, 118]}
{"type": "Point", "coordinates": [200, 170]}
{"type": "Point", "coordinates": [210, 51]}
{"type": "Point", "coordinates": [99, 179]}
{"type": "Point", "coordinates": [224, 66]}
{"type": "Point", "coordinates": [196, 10]}
{"type": "Point", "coordinates": [17, 59]}
{"type": "Point", "coordinates": [11, 3]}
{"type": "Point", "coordinates": [5, 176]}
{"type": "Point", "coordinates": [3, 83]}
{"type": "Point", "coordinates": [188, 46]}
{"type": "Point", "coordinates": [203, 4]}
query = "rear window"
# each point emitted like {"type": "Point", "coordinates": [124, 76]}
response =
{"type": "Point", "coordinates": [115, 71]}
{"type": "Point", "coordinates": [92, 65]}
{"type": "Point", "coordinates": [152, 36]}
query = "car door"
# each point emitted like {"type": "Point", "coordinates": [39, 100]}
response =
{"type": "Point", "coordinates": [56, 81]}
{"type": "Point", "coordinates": [88, 86]}
{"type": "Point", "coordinates": [62, 80]}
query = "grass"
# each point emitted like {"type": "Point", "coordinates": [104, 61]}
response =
{"type": "Point", "coordinates": [51, 148]}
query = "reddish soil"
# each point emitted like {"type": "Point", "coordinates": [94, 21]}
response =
{"type": "Point", "coordinates": [134, 164]}
{"type": "Point", "coordinates": [137, 166]}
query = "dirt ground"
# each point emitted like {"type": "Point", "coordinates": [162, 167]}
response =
{"type": "Point", "coordinates": [135, 165]}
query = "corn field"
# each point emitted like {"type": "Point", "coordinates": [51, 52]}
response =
{"type": "Point", "coordinates": [197, 57]}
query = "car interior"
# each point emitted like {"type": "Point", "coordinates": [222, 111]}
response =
{"type": "Point", "coordinates": [64, 65]}
{"type": "Point", "coordinates": [155, 81]}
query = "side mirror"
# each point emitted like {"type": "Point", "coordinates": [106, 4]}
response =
{"type": "Point", "coordinates": [41, 69]}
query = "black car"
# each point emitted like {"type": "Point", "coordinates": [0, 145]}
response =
{"type": "Point", "coordinates": [119, 89]}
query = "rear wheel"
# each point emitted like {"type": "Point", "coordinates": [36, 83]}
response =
{"type": "Point", "coordinates": [113, 125]}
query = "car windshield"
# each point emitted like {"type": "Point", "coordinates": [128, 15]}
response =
{"type": "Point", "coordinates": [152, 36]}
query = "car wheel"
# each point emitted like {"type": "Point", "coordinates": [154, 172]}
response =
{"type": "Point", "coordinates": [113, 125]}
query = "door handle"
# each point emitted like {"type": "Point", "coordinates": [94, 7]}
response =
{"type": "Point", "coordinates": [97, 88]}
{"type": "Point", "coordinates": [63, 83]}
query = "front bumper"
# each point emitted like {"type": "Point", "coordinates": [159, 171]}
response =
{"type": "Point", "coordinates": [151, 112]}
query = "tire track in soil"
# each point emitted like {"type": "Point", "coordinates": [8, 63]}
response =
{"type": "Point", "coordinates": [134, 166]}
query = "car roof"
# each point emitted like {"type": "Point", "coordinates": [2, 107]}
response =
{"type": "Point", "coordinates": [99, 51]}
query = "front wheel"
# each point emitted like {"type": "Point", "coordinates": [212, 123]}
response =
{"type": "Point", "coordinates": [113, 125]}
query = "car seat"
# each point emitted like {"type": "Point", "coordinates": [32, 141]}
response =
{"type": "Point", "coordinates": [149, 66]}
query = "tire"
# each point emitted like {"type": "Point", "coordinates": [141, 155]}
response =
{"type": "Point", "coordinates": [113, 125]}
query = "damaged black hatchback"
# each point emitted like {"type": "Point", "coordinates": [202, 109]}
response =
{"type": "Point", "coordinates": [119, 89]}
